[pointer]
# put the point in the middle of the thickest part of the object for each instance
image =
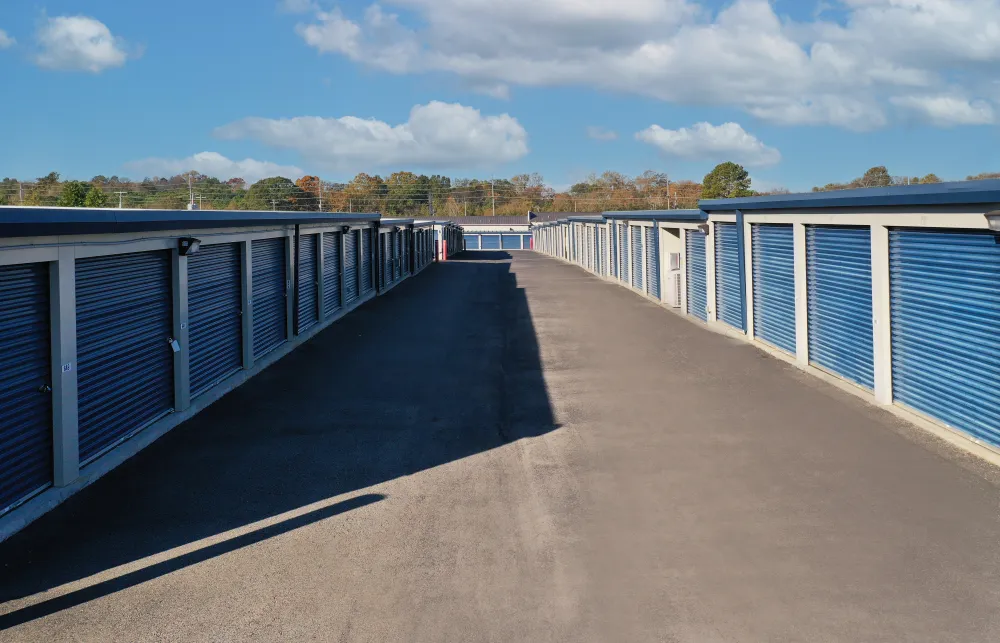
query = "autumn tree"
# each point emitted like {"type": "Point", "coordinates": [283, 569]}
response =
{"type": "Point", "coordinates": [727, 181]}
{"type": "Point", "coordinates": [276, 193]}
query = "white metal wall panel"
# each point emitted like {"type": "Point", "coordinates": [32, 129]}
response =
{"type": "Point", "coordinates": [602, 251]}
{"type": "Point", "coordinates": [623, 253]}
{"type": "Point", "coordinates": [697, 274]}
{"type": "Point", "coordinates": [774, 285]}
{"type": "Point", "coordinates": [25, 383]}
{"type": "Point", "coordinates": [331, 272]}
{"type": "Point", "coordinates": [351, 292]}
{"type": "Point", "coordinates": [945, 305]}
{"type": "Point", "coordinates": [839, 274]}
{"type": "Point", "coordinates": [728, 302]}
{"type": "Point", "coordinates": [124, 323]}
{"type": "Point", "coordinates": [308, 304]}
{"type": "Point", "coordinates": [637, 259]}
{"type": "Point", "coordinates": [270, 292]}
{"type": "Point", "coordinates": [215, 315]}
{"type": "Point", "coordinates": [652, 262]}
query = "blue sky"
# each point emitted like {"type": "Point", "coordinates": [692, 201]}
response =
{"type": "Point", "coordinates": [802, 93]}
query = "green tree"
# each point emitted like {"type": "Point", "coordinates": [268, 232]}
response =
{"type": "Point", "coordinates": [74, 194]}
{"type": "Point", "coordinates": [876, 177]}
{"type": "Point", "coordinates": [96, 198]}
{"type": "Point", "coordinates": [277, 193]}
{"type": "Point", "coordinates": [727, 181]}
{"type": "Point", "coordinates": [930, 178]}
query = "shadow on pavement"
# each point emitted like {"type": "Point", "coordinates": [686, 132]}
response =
{"type": "Point", "coordinates": [444, 366]}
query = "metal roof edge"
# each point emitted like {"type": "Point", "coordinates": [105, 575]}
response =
{"type": "Point", "coordinates": [953, 193]}
{"type": "Point", "coordinates": [658, 215]}
{"type": "Point", "coordinates": [17, 221]}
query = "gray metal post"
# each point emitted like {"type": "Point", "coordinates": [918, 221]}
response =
{"type": "Point", "coordinates": [65, 415]}
{"type": "Point", "coordinates": [246, 252]}
{"type": "Point", "coordinates": [182, 389]}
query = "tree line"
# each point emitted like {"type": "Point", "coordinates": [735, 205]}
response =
{"type": "Point", "coordinates": [416, 195]}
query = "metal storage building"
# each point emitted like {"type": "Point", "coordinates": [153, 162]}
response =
{"type": "Point", "coordinates": [117, 325]}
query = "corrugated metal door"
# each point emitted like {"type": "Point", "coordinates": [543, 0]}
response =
{"type": "Point", "coordinates": [491, 241]}
{"type": "Point", "coordinates": [591, 263]}
{"type": "Point", "coordinates": [623, 252]}
{"type": "Point", "coordinates": [308, 283]}
{"type": "Point", "coordinates": [774, 285]}
{"type": "Point", "coordinates": [526, 242]}
{"type": "Point", "coordinates": [728, 303]}
{"type": "Point", "coordinates": [472, 242]}
{"type": "Point", "coordinates": [511, 241]}
{"type": "Point", "coordinates": [652, 262]}
{"type": "Point", "coordinates": [697, 274]}
{"type": "Point", "coordinates": [215, 315]}
{"type": "Point", "coordinates": [839, 274]}
{"type": "Point", "coordinates": [25, 372]}
{"type": "Point", "coordinates": [945, 303]}
{"type": "Point", "coordinates": [614, 250]}
{"type": "Point", "coordinates": [387, 258]}
{"type": "Point", "coordinates": [603, 250]}
{"type": "Point", "coordinates": [270, 292]}
{"type": "Point", "coordinates": [351, 267]}
{"type": "Point", "coordinates": [124, 323]}
{"type": "Point", "coordinates": [331, 272]}
{"type": "Point", "coordinates": [397, 252]}
{"type": "Point", "coordinates": [366, 261]}
{"type": "Point", "coordinates": [637, 259]}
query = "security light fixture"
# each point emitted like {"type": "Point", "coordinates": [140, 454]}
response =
{"type": "Point", "coordinates": [345, 228]}
{"type": "Point", "coordinates": [187, 246]}
{"type": "Point", "coordinates": [703, 227]}
{"type": "Point", "coordinates": [993, 218]}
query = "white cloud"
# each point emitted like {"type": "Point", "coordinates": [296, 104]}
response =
{"type": "Point", "coordinates": [214, 164]}
{"type": "Point", "coordinates": [704, 141]}
{"type": "Point", "coordinates": [5, 40]}
{"type": "Point", "coordinates": [946, 110]}
{"type": "Point", "coordinates": [78, 43]}
{"type": "Point", "coordinates": [601, 134]}
{"type": "Point", "coordinates": [436, 135]}
{"type": "Point", "coordinates": [840, 72]}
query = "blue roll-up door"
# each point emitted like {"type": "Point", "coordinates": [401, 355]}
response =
{"type": "Point", "coordinates": [652, 262]}
{"type": "Point", "coordinates": [527, 242]}
{"type": "Point", "coordinates": [386, 258]}
{"type": "Point", "coordinates": [308, 283]}
{"type": "Point", "coordinates": [511, 241]}
{"type": "Point", "coordinates": [397, 254]}
{"type": "Point", "coordinates": [945, 305]}
{"type": "Point", "coordinates": [215, 315]}
{"type": "Point", "coordinates": [637, 258]}
{"type": "Point", "coordinates": [472, 242]}
{"type": "Point", "coordinates": [124, 324]}
{"type": "Point", "coordinates": [623, 252]}
{"type": "Point", "coordinates": [774, 285]}
{"type": "Point", "coordinates": [839, 275]}
{"type": "Point", "coordinates": [728, 302]}
{"type": "Point", "coordinates": [331, 272]}
{"type": "Point", "coordinates": [366, 261]}
{"type": "Point", "coordinates": [613, 247]}
{"type": "Point", "coordinates": [351, 267]}
{"type": "Point", "coordinates": [270, 288]}
{"type": "Point", "coordinates": [25, 372]}
{"type": "Point", "coordinates": [602, 251]}
{"type": "Point", "coordinates": [697, 275]}
{"type": "Point", "coordinates": [491, 241]}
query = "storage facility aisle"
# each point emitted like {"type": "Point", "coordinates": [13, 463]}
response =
{"type": "Point", "coordinates": [510, 449]}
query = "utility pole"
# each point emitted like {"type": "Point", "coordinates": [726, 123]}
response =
{"type": "Point", "coordinates": [20, 191]}
{"type": "Point", "coordinates": [121, 196]}
{"type": "Point", "coordinates": [493, 193]}
{"type": "Point", "coordinates": [200, 199]}
{"type": "Point", "coordinates": [466, 204]}
{"type": "Point", "coordinates": [320, 196]}
{"type": "Point", "coordinates": [350, 205]}
{"type": "Point", "coordinates": [274, 205]}
{"type": "Point", "coordinates": [430, 204]}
